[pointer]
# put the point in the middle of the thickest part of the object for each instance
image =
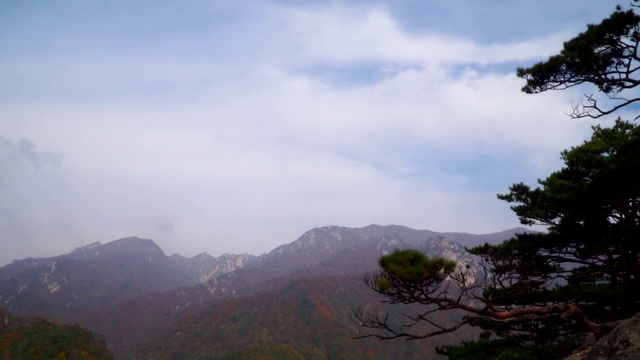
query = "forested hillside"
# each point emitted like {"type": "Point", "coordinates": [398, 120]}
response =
{"type": "Point", "coordinates": [31, 339]}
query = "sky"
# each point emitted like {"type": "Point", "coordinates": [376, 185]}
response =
{"type": "Point", "coordinates": [236, 126]}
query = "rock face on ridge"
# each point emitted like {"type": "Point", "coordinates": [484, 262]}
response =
{"type": "Point", "coordinates": [204, 267]}
{"type": "Point", "coordinates": [623, 343]}
{"type": "Point", "coordinates": [99, 274]}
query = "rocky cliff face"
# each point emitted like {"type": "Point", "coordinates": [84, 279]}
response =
{"type": "Point", "coordinates": [99, 274]}
{"type": "Point", "coordinates": [623, 343]}
{"type": "Point", "coordinates": [204, 267]}
{"type": "Point", "coordinates": [5, 320]}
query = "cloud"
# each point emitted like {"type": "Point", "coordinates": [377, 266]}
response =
{"type": "Point", "coordinates": [240, 130]}
{"type": "Point", "coordinates": [32, 189]}
{"type": "Point", "coordinates": [341, 35]}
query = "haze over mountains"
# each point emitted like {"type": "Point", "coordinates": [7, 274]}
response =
{"type": "Point", "coordinates": [295, 300]}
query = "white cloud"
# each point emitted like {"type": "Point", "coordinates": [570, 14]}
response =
{"type": "Point", "coordinates": [342, 35]}
{"type": "Point", "coordinates": [238, 145]}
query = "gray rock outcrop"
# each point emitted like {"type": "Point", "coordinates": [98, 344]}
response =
{"type": "Point", "coordinates": [623, 343]}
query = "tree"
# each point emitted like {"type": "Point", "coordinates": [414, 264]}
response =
{"type": "Point", "coordinates": [541, 291]}
{"type": "Point", "coordinates": [605, 55]}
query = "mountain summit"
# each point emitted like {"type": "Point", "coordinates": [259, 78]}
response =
{"type": "Point", "coordinates": [132, 293]}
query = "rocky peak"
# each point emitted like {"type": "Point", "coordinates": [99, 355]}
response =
{"type": "Point", "coordinates": [323, 237]}
{"type": "Point", "coordinates": [89, 247]}
{"type": "Point", "coordinates": [125, 247]}
{"type": "Point", "coordinates": [86, 252]}
{"type": "Point", "coordinates": [387, 244]}
{"type": "Point", "coordinates": [131, 246]}
{"type": "Point", "coordinates": [441, 246]}
{"type": "Point", "coordinates": [203, 256]}
{"type": "Point", "coordinates": [444, 247]}
{"type": "Point", "coordinates": [204, 267]}
{"type": "Point", "coordinates": [327, 240]}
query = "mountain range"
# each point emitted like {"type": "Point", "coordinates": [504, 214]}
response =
{"type": "Point", "coordinates": [293, 302]}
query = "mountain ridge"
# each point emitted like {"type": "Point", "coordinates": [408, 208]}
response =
{"type": "Point", "coordinates": [145, 291]}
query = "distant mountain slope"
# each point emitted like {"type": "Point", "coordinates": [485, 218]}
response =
{"type": "Point", "coordinates": [327, 251]}
{"type": "Point", "coordinates": [470, 240]}
{"type": "Point", "coordinates": [304, 319]}
{"type": "Point", "coordinates": [204, 267]}
{"type": "Point", "coordinates": [97, 274]}
{"type": "Point", "coordinates": [130, 292]}
{"type": "Point", "coordinates": [319, 245]}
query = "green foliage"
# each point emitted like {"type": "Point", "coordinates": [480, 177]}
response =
{"type": "Point", "coordinates": [543, 290]}
{"type": "Point", "coordinates": [411, 265]}
{"type": "Point", "coordinates": [589, 255]}
{"type": "Point", "coordinates": [592, 55]}
{"type": "Point", "coordinates": [44, 340]}
{"type": "Point", "coordinates": [605, 55]}
{"type": "Point", "coordinates": [383, 283]}
{"type": "Point", "coordinates": [599, 177]}
{"type": "Point", "coordinates": [592, 210]}
{"type": "Point", "coordinates": [507, 348]}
